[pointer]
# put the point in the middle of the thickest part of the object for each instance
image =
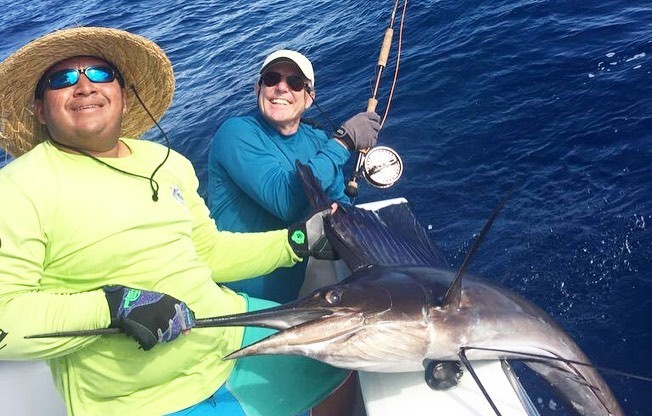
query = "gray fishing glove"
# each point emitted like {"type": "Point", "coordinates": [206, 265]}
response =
{"type": "Point", "coordinates": [360, 131]}
{"type": "Point", "coordinates": [308, 238]}
{"type": "Point", "coordinates": [149, 317]}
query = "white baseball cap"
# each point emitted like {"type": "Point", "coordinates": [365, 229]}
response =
{"type": "Point", "coordinates": [286, 55]}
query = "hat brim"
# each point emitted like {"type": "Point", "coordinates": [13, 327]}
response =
{"type": "Point", "coordinates": [281, 61]}
{"type": "Point", "coordinates": [143, 65]}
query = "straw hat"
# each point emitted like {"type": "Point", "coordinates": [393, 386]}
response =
{"type": "Point", "coordinates": [141, 62]}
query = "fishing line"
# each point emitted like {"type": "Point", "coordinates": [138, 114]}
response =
{"type": "Point", "coordinates": [545, 358]}
{"type": "Point", "coordinates": [398, 63]}
{"type": "Point", "coordinates": [469, 367]}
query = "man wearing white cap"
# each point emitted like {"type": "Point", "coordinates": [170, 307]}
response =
{"type": "Point", "coordinates": [101, 230]}
{"type": "Point", "coordinates": [252, 180]}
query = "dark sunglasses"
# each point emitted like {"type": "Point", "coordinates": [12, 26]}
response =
{"type": "Point", "coordinates": [69, 77]}
{"type": "Point", "coordinates": [271, 78]}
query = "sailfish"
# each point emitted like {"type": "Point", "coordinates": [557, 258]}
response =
{"type": "Point", "coordinates": [402, 308]}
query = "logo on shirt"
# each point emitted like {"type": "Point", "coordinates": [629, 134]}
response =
{"type": "Point", "coordinates": [176, 193]}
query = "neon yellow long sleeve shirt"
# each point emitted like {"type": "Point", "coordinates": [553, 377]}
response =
{"type": "Point", "coordinates": [70, 225]}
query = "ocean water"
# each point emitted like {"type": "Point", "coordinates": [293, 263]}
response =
{"type": "Point", "coordinates": [557, 93]}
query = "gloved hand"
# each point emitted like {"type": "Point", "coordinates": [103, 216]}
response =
{"type": "Point", "coordinates": [360, 131]}
{"type": "Point", "coordinates": [308, 238]}
{"type": "Point", "coordinates": [149, 317]}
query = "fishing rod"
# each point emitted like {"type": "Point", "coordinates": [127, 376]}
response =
{"type": "Point", "coordinates": [381, 166]}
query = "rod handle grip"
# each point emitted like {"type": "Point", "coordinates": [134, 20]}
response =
{"type": "Point", "coordinates": [371, 104]}
{"type": "Point", "coordinates": [384, 49]}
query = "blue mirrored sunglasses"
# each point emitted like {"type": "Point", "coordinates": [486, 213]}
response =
{"type": "Point", "coordinates": [68, 77]}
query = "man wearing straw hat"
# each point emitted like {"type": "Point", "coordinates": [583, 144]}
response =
{"type": "Point", "coordinates": [101, 230]}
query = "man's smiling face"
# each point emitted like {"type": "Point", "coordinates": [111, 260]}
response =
{"type": "Point", "coordinates": [86, 115]}
{"type": "Point", "coordinates": [279, 104]}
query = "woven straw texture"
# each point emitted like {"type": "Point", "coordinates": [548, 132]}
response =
{"type": "Point", "coordinates": [142, 63]}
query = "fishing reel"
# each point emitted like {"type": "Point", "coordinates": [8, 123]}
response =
{"type": "Point", "coordinates": [381, 166]}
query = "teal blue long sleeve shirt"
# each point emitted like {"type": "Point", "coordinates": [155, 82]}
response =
{"type": "Point", "coordinates": [253, 186]}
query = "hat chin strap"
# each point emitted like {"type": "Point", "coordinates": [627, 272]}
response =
{"type": "Point", "coordinates": [153, 184]}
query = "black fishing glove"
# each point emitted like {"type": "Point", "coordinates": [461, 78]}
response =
{"type": "Point", "coordinates": [360, 131]}
{"type": "Point", "coordinates": [149, 317]}
{"type": "Point", "coordinates": [308, 239]}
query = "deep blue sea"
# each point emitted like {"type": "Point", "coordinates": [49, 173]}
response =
{"type": "Point", "coordinates": [557, 91]}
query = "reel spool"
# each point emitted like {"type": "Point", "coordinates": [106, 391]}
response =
{"type": "Point", "coordinates": [382, 167]}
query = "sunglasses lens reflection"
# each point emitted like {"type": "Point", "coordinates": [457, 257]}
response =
{"type": "Point", "coordinates": [99, 74]}
{"type": "Point", "coordinates": [62, 79]}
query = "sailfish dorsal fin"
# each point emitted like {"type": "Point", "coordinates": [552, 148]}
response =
{"type": "Point", "coordinates": [390, 236]}
{"type": "Point", "coordinates": [454, 292]}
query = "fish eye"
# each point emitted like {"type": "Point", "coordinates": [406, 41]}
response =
{"type": "Point", "coordinates": [334, 297]}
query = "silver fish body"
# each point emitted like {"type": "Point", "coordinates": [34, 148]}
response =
{"type": "Point", "coordinates": [391, 319]}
